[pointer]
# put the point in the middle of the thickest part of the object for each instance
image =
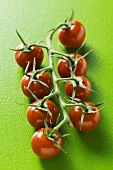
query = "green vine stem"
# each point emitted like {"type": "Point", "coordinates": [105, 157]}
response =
{"type": "Point", "coordinates": [51, 68]}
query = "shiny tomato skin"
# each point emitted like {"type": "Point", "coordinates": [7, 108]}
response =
{"type": "Point", "coordinates": [74, 36]}
{"type": "Point", "coordinates": [91, 120]}
{"type": "Point", "coordinates": [63, 68]}
{"type": "Point", "coordinates": [37, 88]}
{"type": "Point", "coordinates": [64, 71]}
{"type": "Point", "coordinates": [43, 147]}
{"type": "Point", "coordinates": [81, 93]}
{"type": "Point", "coordinates": [22, 58]}
{"type": "Point", "coordinates": [35, 118]}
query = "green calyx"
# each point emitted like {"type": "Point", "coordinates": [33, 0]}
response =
{"type": "Point", "coordinates": [51, 135]}
{"type": "Point", "coordinates": [68, 21]}
{"type": "Point", "coordinates": [35, 75]}
{"type": "Point", "coordinates": [88, 110]}
{"type": "Point", "coordinates": [27, 48]}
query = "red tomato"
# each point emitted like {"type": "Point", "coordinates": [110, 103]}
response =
{"type": "Point", "coordinates": [72, 37]}
{"type": "Point", "coordinates": [43, 147]}
{"type": "Point", "coordinates": [35, 118]}
{"type": "Point", "coordinates": [90, 121]}
{"type": "Point", "coordinates": [37, 88]}
{"type": "Point", "coordinates": [81, 93]}
{"type": "Point", "coordinates": [64, 71]}
{"type": "Point", "coordinates": [22, 58]}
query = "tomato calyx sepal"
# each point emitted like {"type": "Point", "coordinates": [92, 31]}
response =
{"type": "Point", "coordinates": [78, 82]}
{"type": "Point", "coordinates": [41, 104]}
{"type": "Point", "coordinates": [34, 80]}
{"type": "Point", "coordinates": [88, 110]}
{"type": "Point", "coordinates": [25, 48]}
{"type": "Point", "coordinates": [34, 76]}
{"type": "Point", "coordinates": [28, 47]}
{"type": "Point", "coordinates": [54, 137]}
{"type": "Point", "coordinates": [69, 20]}
{"type": "Point", "coordinates": [76, 60]}
{"type": "Point", "coordinates": [50, 134]}
{"type": "Point", "coordinates": [73, 61]}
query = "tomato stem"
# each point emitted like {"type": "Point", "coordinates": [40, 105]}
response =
{"type": "Point", "coordinates": [37, 44]}
{"type": "Point", "coordinates": [48, 97]}
{"type": "Point", "coordinates": [43, 69]}
{"type": "Point", "coordinates": [66, 24]}
{"type": "Point", "coordinates": [21, 38]}
{"type": "Point", "coordinates": [62, 54]}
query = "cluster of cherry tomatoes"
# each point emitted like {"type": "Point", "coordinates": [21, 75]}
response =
{"type": "Point", "coordinates": [39, 86]}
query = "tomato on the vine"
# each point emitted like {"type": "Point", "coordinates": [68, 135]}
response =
{"type": "Point", "coordinates": [38, 89]}
{"type": "Point", "coordinates": [36, 116]}
{"type": "Point", "coordinates": [73, 36]}
{"type": "Point", "coordinates": [44, 147]}
{"type": "Point", "coordinates": [90, 121]}
{"type": "Point", "coordinates": [64, 67]}
{"type": "Point", "coordinates": [22, 58]}
{"type": "Point", "coordinates": [81, 92]}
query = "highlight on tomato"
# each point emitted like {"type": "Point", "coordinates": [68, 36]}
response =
{"type": "Point", "coordinates": [89, 120]}
{"type": "Point", "coordinates": [73, 36]}
{"type": "Point", "coordinates": [24, 57]}
{"type": "Point", "coordinates": [79, 70]}
{"type": "Point", "coordinates": [43, 147]}
{"type": "Point", "coordinates": [36, 116]}
{"type": "Point", "coordinates": [40, 86]}
{"type": "Point", "coordinates": [80, 92]}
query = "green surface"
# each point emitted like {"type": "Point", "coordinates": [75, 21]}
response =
{"type": "Point", "coordinates": [85, 151]}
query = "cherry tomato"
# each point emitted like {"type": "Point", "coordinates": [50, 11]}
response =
{"type": "Point", "coordinates": [63, 67]}
{"type": "Point", "coordinates": [22, 58]}
{"type": "Point", "coordinates": [35, 118]}
{"type": "Point", "coordinates": [38, 89]}
{"type": "Point", "coordinates": [72, 37]}
{"type": "Point", "coordinates": [43, 147]}
{"type": "Point", "coordinates": [81, 93]}
{"type": "Point", "coordinates": [90, 121]}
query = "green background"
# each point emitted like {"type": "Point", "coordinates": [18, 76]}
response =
{"type": "Point", "coordinates": [33, 18]}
